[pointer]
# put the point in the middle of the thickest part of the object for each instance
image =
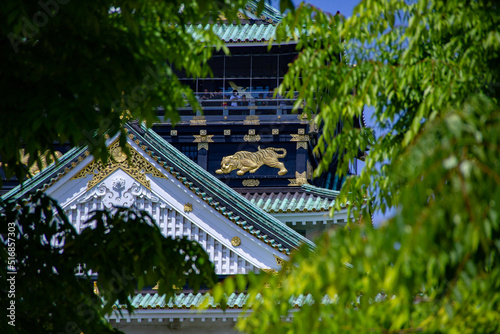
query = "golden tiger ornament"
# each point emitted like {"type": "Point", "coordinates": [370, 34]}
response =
{"type": "Point", "coordinates": [251, 161]}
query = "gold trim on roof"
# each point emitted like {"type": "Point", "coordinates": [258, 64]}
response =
{"type": "Point", "coordinates": [302, 144]}
{"type": "Point", "coordinates": [188, 207]}
{"type": "Point", "coordinates": [198, 120]}
{"type": "Point", "coordinates": [313, 127]}
{"type": "Point", "coordinates": [279, 261]}
{"type": "Point", "coordinates": [236, 241]}
{"type": "Point", "coordinates": [251, 120]}
{"type": "Point", "coordinates": [309, 170]}
{"type": "Point", "coordinates": [299, 137]}
{"type": "Point", "coordinates": [250, 182]}
{"type": "Point", "coordinates": [251, 138]}
{"type": "Point", "coordinates": [138, 168]}
{"type": "Point", "coordinates": [202, 145]}
{"type": "Point", "coordinates": [203, 139]}
{"type": "Point", "coordinates": [300, 179]}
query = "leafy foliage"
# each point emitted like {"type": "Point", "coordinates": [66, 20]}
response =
{"type": "Point", "coordinates": [125, 247]}
{"type": "Point", "coordinates": [430, 71]}
{"type": "Point", "coordinates": [73, 71]}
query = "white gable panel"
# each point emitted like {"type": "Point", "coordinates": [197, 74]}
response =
{"type": "Point", "coordinates": [120, 189]}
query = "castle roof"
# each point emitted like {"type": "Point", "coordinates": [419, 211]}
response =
{"type": "Point", "coordinates": [218, 195]}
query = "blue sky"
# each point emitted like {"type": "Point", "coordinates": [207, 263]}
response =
{"type": "Point", "coordinates": [345, 7]}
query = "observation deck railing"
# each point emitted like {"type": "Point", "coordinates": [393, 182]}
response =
{"type": "Point", "coordinates": [223, 105]}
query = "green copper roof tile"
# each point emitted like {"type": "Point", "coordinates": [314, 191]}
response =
{"type": "Point", "coordinates": [323, 192]}
{"type": "Point", "coordinates": [308, 203]}
{"type": "Point", "coordinates": [151, 301]}
{"type": "Point", "coordinates": [267, 204]}
{"type": "Point", "coordinates": [243, 33]}
{"type": "Point", "coordinates": [154, 301]}
{"type": "Point", "coordinates": [274, 206]}
{"type": "Point", "coordinates": [297, 201]}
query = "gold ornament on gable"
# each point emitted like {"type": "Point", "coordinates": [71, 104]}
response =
{"type": "Point", "coordinates": [137, 169]}
{"type": "Point", "coordinates": [188, 207]}
{"type": "Point", "coordinates": [236, 241]}
{"type": "Point", "coordinates": [279, 261]}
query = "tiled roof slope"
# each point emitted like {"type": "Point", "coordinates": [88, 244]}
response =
{"type": "Point", "coordinates": [238, 33]}
{"type": "Point", "coordinates": [191, 301]}
{"type": "Point", "coordinates": [312, 199]}
{"type": "Point", "coordinates": [269, 13]}
{"type": "Point", "coordinates": [219, 195]}
{"type": "Point", "coordinates": [284, 202]}
{"type": "Point", "coordinates": [260, 29]}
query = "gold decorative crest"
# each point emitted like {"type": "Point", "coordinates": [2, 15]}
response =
{"type": "Point", "coordinates": [300, 179]}
{"type": "Point", "coordinates": [303, 117]}
{"type": "Point", "coordinates": [251, 161]}
{"type": "Point", "coordinates": [269, 271]}
{"type": "Point", "coordinates": [275, 131]}
{"type": "Point", "coordinates": [299, 137]}
{"type": "Point", "coordinates": [251, 120]}
{"type": "Point", "coordinates": [302, 144]}
{"type": "Point", "coordinates": [138, 168]}
{"type": "Point", "coordinates": [250, 183]}
{"type": "Point", "coordinates": [173, 133]}
{"type": "Point", "coordinates": [198, 120]}
{"type": "Point", "coordinates": [236, 241]}
{"type": "Point", "coordinates": [203, 139]}
{"type": "Point", "coordinates": [309, 170]}
{"type": "Point", "coordinates": [188, 207]}
{"type": "Point", "coordinates": [202, 145]}
{"type": "Point", "coordinates": [227, 132]}
{"type": "Point", "coordinates": [251, 138]}
{"type": "Point", "coordinates": [313, 127]}
{"type": "Point", "coordinates": [279, 261]}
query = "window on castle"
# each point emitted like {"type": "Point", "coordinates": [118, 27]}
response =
{"type": "Point", "coordinates": [264, 66]}
{"type": "Point", "coordinates": [190, 151]}
{"type": "Point", "coordinates": [216, 63]}
{"type": "Point", "coordinates": [238, 66]}
{"type": "Point", "coordinates": [284, 60]}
